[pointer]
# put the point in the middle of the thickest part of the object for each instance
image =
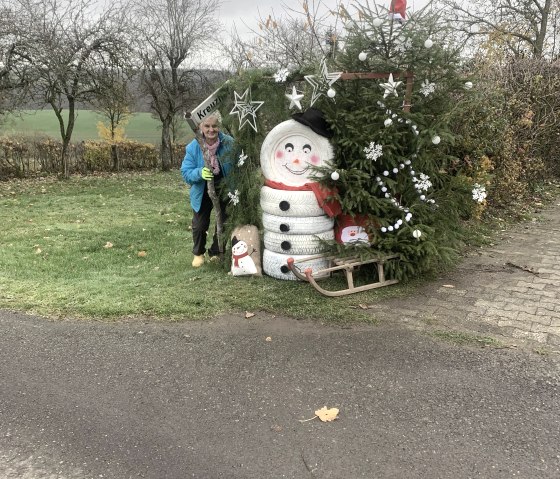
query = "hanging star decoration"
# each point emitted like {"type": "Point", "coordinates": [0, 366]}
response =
{"type": "Point", "coordinates": [246, 109]}
{"type": "Point", "coordinates": [390, 86]}
{"type": "Point", "coordinates": [295, 98]}
{"type": "Point", "coordinates": [321, 83]}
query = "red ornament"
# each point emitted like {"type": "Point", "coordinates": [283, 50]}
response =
{"type": "Point", "coordinates": [398, 9]}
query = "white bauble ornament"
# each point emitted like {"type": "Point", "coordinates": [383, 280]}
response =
{"type": "Point", "coordinates": [417, 234]}
{"type": "Point", "coordinates": [395, 170]}
{"type": "Point", "coordinates": [384, 230]}
{"type": "Point", "coordinates": [428, 43]}
{"type": "Point", "coordinates": [436, 140]}
{"type": "Point", "coordinates": [422, 197]}
{"type": "Point", "coordinates": [388, 122]}
{"type": "Point", "coordinates": [377, 22]}
{"type": "Point", "coordinates": [390, 228]}
{"type": "Point", "coordinates": [468, 85]}
{"type": "Point", "coordinates": [362, 56]}
{"type": "Point", "coordinates": [335, 176]}
{"type": "Point", "coordinates": [385, 173]}
{"type": "Point", "coordinates": [331, 92]}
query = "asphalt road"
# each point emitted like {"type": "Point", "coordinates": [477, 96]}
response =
{"type": "Point", "coordinates": [219, 400]}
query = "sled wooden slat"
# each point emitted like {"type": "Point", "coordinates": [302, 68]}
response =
{"type": "Point", "coordinates": [347, 266]}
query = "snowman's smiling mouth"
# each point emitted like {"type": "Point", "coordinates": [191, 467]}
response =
{"type": "Point", "coordinates": [296, 172]}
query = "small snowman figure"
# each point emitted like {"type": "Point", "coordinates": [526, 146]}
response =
{"type": "Point", "coordinates": [297, 211]}
{"type": "Point", "coordinates": [241, 261]}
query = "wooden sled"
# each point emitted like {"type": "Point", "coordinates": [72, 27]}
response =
{"type": "Point", "coordinates": [347, 265]}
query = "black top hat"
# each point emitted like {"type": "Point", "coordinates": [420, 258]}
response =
{"type": "Point", "coordinates": [315, 120]}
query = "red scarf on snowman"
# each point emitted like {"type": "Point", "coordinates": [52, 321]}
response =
{"type": "Point", "coordinates": [325, 196]}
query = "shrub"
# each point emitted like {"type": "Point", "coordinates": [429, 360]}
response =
{"type": "Point", "coordinates": [24, 157]}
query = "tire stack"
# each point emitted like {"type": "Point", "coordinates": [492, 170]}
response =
{"type": "Point", "coordinates": [294, 226]}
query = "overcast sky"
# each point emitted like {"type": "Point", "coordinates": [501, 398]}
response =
{"type": "Point", "coordinates": [245, 13]}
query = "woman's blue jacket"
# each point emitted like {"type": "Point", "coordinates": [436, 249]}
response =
{"type": "Point", "coordinates": [191, 168]}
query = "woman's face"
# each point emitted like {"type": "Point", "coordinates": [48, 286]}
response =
{"type": "Point", "coordinates": [210, 128]}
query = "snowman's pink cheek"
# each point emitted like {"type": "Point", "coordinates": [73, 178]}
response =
{"type": "Point", "coordinates": [279, 154]}
{"type": "Point", "coordinates": [315, 159]}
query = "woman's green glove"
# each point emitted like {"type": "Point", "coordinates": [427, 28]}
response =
{"type": "Point", "coordinates": [207, 174]}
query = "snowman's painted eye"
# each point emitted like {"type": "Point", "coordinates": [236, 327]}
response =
{"type": "Point", "coordinates": [289, 147]}
{"type": "Point", "coordinates": [307, 149]}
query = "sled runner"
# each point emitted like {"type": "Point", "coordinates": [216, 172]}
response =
{"type": "Point", "coordinates": [347, 266]}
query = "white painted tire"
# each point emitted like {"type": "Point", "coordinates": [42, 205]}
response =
{"type": "Point", "coordinates": [289, 203]}
{"type": "Point", "coordinates": [275, 265]}
{"type": "Point", "coordinates": [296, 244]}
{"type": "Point", "coordinates": [296, 225]}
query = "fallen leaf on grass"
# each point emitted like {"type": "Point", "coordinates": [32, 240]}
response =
{"type": "Point", "coordinates": [268, 339]}
{"type": "Point", "coordinates": [363, 306]}
{"type": "Point", "coordinates": [142, 254]}
{"type": "Point", "coordinates": [448, 286]}
{"type": "Point", "coordinates": [248, 315]}
{"type": "Point", "coordinates": [108, 245]}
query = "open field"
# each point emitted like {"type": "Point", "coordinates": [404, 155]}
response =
{"type": "Point", "coordinates": [120, 245]}
{"type": "Point", "coordinates": [141, 127]}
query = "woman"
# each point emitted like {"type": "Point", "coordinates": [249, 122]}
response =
{"type": "Point", "coordinates": [197, 175]}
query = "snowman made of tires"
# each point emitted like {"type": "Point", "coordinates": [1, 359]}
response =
{"type": "Point", "coordinates": [295, 222]}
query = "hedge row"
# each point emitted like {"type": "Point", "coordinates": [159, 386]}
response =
{"type": "Point", "coordinates": [25, 157]}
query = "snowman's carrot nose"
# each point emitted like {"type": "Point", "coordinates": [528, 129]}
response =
{"type": "Point", "coordinates": [296, 161]}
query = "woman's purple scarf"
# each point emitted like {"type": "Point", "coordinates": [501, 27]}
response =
{"type": "Point", "coordinates": [213, 158]}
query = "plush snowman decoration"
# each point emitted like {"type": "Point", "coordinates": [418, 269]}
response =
{"type": "Point", "coordinates": [297, 211]}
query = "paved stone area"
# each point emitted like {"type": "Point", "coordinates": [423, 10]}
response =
{"type": "Point", "coordinates": [509, 290]}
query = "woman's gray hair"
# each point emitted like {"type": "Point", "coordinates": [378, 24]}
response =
{"type": "Point", "coordinates": [216, 115]}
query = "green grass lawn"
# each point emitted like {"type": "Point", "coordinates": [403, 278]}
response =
{"type": "Point", "coordinates": [72, 248]}
{"type": "Point", "coordinates": [141, 126]}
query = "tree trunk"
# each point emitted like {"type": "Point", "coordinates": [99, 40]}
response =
{"type": "Point", "coordinates": [543, 27]}
{"type": "Point", "coordinates": [115, 157]}
{"type": "Point", "coordinates": [166, 159]}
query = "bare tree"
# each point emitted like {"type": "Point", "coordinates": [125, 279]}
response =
{"type": "Point", "coordinates": [14, 65]}
{"type": "Point", "coordinates": [293, 40]}
{"type": "Point", "coordinates": [523, 25]}
{"type": "Point", "coordinates": [67, 42]}
{"type": "Point", "coordinates": [114, 100]}
{"type": "Point", "coordinates": [170, 33]}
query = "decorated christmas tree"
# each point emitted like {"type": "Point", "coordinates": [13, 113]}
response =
{"type": "Point", "coordinates": [387, 90]}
